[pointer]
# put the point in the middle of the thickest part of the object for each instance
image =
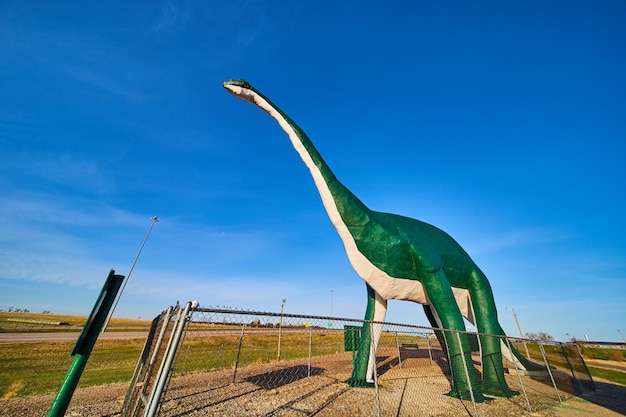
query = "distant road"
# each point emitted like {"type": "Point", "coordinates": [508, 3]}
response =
{"type": "Point", "coordinates": [58, 336]}
{"type": "Point", "coordinates": [54, 337]}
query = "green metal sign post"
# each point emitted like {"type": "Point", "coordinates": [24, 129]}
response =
{"type": "Point", "coordinates": [85, 343]}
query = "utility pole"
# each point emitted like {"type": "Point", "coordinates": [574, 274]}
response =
{"type": "Point", "coordinates": [153, 219]}
{"type": "Point", "coordinates": [520, 331]}
{"type": "Point", "coordinates": [280, 326]}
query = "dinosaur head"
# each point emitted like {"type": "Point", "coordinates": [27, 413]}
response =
{"type": "Point", "coordinates": [241, 89]}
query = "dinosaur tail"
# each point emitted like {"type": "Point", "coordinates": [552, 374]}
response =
{"type": "Point", "coordinates": [523, 360]}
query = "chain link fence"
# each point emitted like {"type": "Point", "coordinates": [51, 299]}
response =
{"type": "Point", "coordinates": [151, 358]}
{"type": "Point", "coordinates": [220, 362]}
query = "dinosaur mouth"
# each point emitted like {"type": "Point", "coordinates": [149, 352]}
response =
{"type": "Point", "coordinates": [238, 83]}
{"type": "Point", "coordinates": [241, 89]}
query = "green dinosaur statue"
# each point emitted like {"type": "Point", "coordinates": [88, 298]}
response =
{"type": "Point", "coordinates": [405, 259]}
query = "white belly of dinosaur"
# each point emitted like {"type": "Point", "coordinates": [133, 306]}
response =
{"type": "Point", "coordinates": [392, 288]}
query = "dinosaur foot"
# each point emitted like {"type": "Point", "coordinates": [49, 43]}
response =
{"type": "Point", "coordinates": [499, 392]}
{"type": "Point", "coordinates": [467, 396]}
{"type": "Point", "coordinates": [359, 383]}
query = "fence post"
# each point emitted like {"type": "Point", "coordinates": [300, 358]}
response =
{"type": "Point", "coordinates": [243, 326]}
{"type": "Point", "coordinates": [579, 385]}
{"type": "Point", "coordinates": [458, 338]}
{"type": "Point", "coordinates": [430, 353]}
{"type": "Point", "coordinates": [398, 349]}
{"type": "Point", "coordinates": [310, 348]}
{"type": "Point", "coordinates": [373, 346]}
{"type": "Point", "coordinates": [519, 378]}
{"type": "Point", "coordinates": [545, 359]}
{"type": "Point", "coordinates": [580, 355]}
{"type": "Point", "coordinates": [157, 391]}
{"type": "Point", "coordinates": [280, 328]}
{"type": "Point", "coordinates": [480, 352]}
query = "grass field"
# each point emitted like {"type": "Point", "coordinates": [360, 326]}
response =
{"type": "Point", "coordinates": [37, 368]}
{"type": "Point", "coordinates": [555, 358]}
{"type": "Point", "coordinates": [24, 322]}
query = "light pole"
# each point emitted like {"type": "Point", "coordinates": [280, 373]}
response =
{"type": "Point", "coordinates": [520, 331]}
{"type": "Point", "coordinates": [280, 326]}
{"type": "Point", "coordinates": [331, 303]}
{"type": "Point", "coordinates": [153, 219]}
{"type": "Point", "coordinates": [620, 333]}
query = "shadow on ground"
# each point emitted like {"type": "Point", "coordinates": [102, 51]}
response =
{"type": "Point", "coordinates": [278, 378]}
{"type": "Point", "coordinates": [608, 395]}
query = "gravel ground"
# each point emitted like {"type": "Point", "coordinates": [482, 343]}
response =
{"type": "Point", "coordinates": [286, 389]}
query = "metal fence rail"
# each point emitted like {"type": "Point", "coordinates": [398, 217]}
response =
{"type": "Point", "coordinates": [230, 362]}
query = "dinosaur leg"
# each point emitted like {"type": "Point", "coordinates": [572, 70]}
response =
{"type": "Point", "coordinates": [442, 300]}
{"type": "Point", "coordinates": [363, 371]}
{"type": "Point", "coordinates": [487, 322]}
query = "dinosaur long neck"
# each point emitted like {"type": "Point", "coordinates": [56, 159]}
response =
{"type": "Point", "coordinates": [341, 205]}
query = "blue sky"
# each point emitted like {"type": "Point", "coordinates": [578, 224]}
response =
{"type": "Point", "coordinates": [501, 123]}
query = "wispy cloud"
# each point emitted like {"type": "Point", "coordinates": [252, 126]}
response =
{"type": "Point", "coordinates": [28, 208]}
{"type": "Point", "coordinates": [59, 264]}
{"type": "Point", "coordinates": [79, 55]}
{"type": "Point", "coordinates": [60, 169]}
{"type": "Point", "coordinates": [59, 239]}
{"type": "Point", "coordinates": [174, 14]}
{"type": "Point", "coordinates": [516, 238]}
{"type": "Point", "coordinates": [225, 32]}
{"type": "Point", "coordinates": [213, 288]}
{"type": "Point", "coordinates": [109, 81]}
{"type": "Point", "coordinates": [46, 238]}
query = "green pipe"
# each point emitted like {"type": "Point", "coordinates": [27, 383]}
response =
{"type": "Point", "coordinates": [84, 344]}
